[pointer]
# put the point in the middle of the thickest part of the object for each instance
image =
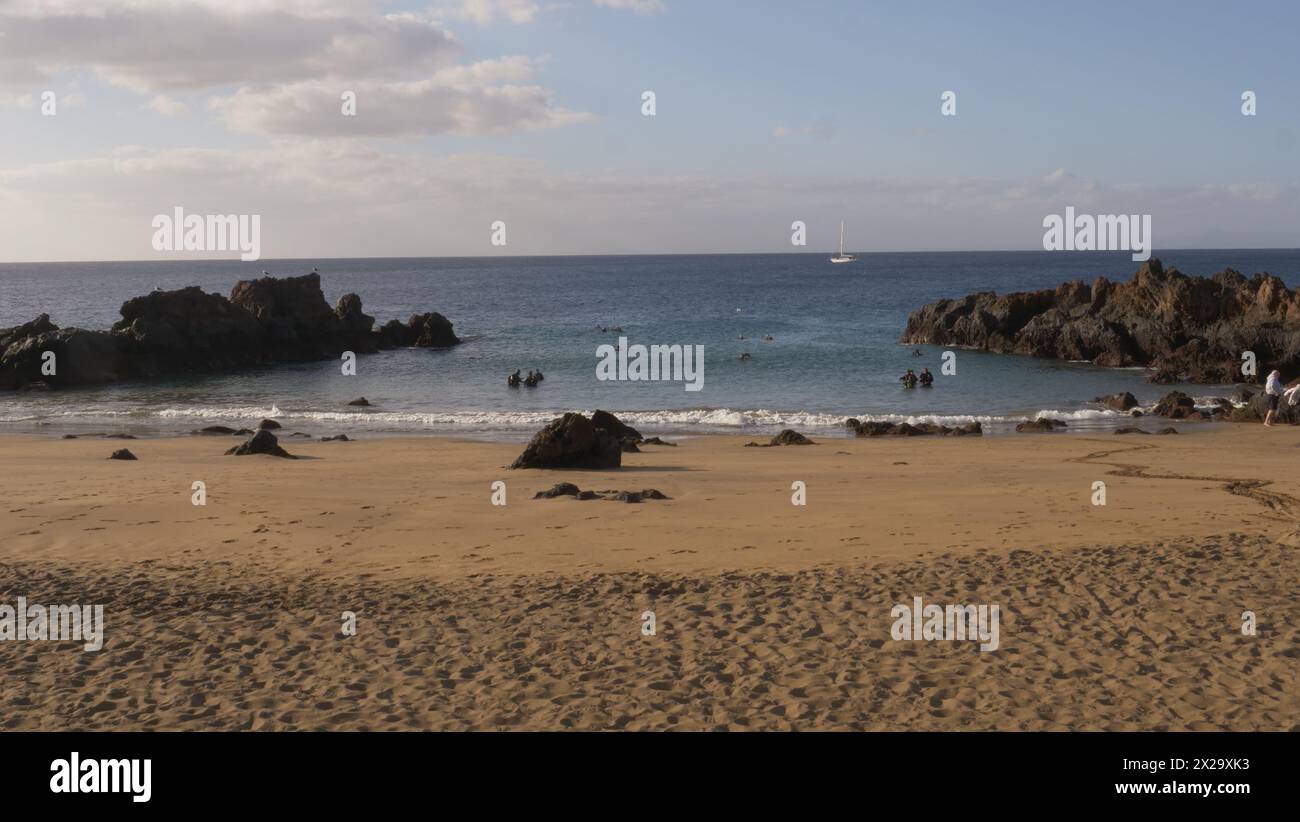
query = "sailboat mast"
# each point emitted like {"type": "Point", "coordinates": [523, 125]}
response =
{"type": "Point", "coordinates": [841, 238]}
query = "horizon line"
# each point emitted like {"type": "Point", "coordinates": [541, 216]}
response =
{"type": "Point", "coordinates": [1154, 255]}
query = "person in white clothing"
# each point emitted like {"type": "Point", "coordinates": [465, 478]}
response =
{"type": "Point", "coordinates": [1273, 388]}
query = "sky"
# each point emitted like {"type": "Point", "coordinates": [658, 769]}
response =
{"type": "Point", "coordinates": [529, 113]}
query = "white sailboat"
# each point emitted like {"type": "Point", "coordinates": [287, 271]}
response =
{"type": "Point", "coordinates": [842, 257]}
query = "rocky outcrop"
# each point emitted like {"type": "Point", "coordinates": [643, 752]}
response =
{"type": "Point", "coordinates": [907, 429]}
{"type": "Point", "coordinates": [1256, 408]}
{"type": "Point", "coordinates": [571, 442]}
{"type": "Point", "coordinates": [189, 331]}
{"type": "Point", "coordinates": [1040, 424]}
{"type": "Point", "coordinates": [122, 454]}
{"type": "Point", "coordinates": [1184, 328]}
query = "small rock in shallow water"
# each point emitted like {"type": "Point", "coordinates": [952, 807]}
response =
{"type": "Point", "coordinates": [123, 454]}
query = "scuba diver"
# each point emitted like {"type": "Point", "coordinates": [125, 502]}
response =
{"type": "Point", "coordinates": [927, 379]}
{"type": "Point", "coordinates": [908, 380]}
{"type": "Point", "coordinates": [513, 380]}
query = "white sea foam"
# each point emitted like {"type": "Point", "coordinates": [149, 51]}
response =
{"type": "Point", "coordinates": [700, 419]}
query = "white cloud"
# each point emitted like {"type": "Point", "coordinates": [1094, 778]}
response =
{"type": "Point", "coordinates": [167, 106]}
{"type": "Point", "coordinates": [207, 44]}
{"type": "Point", "coordinates": [481, 98]}
{"type": "Point", "coordinates": [637, 6]}
{"type": "Point", "coordinates": [484, 12]}
{"type": "Point", "coordinates": [343, 198]}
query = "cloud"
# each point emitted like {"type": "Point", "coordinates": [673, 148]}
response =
{"type": "Point", "coordinates": [201, 44]}
{"type": "Point", "coordinates": [637, 6]}
{"type": "Point", "coordinates": [344, 198]}
{"type": "Point", "coordinates": [481, 98]}
{"type": "Point", "coordinates": [484, 12]}
{"type": "Point", "coordinates": [167, 106]}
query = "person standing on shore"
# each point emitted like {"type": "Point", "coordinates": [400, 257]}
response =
{"type": "Point", "coordinates": [1273, 388]}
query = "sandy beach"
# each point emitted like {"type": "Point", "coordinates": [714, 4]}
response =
{"type": "Point", "coordinates": [768, 615]}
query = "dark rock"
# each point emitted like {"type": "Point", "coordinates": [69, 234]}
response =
{"type": "Point", "coordinates": [69, 436]}
{"type": "Point", "coordinates": [1122, 401]}
{"type": "Point", "coordinates": [122, 454]}
{"type": "Point", "coordinates": [360, 402]}
{"type": "Point", "coordinates": [1040, 424]}
{"type": "Point", "coordinates": [563, 489]}
{"type": "Point", "coordinates": [430, 330]}
{"type": "Point", "coordinates": [268, 425]}
{"type": "Point", "coordinates": [657, 441]}
{"type": "Point", "coordinates": [571, 442]}
{"type": "Point", "coordinates": [1169, 430]}
{"type": "Point", "coordinates": [629, 447]}
{"type": "Point", "coordinates": [336, 438]}
{"type": "Point", "coordinates": [589, 495]}
{"type": "Point", "coordinates": [1130, 429]}
{"type": "Point", "coordinates": [1175, 405]}
{"type": "Point", "coordinates": [118, 436]}
{"type": "Point", "coordinates": [1242, 395]}
{"type": "Point", "coordinates": [790, 437]}
{"type": "Point", "coordinates": [903, 429]}
{"type": "Point", "coordinates": [1162, 319]}
{"type": "Point", "coordinates": [300, 434]}
{"type": "Point", "coordinates": [605, 421]}
{"type": "Point", "coordinates": [1257, 409]}
{"type": "Point", "coordinates": [263, 442]}
{"type": "Point", "coordinates": [1135, 413]}
{"type": "Point", "coordinates": [652, 493]}
{"type": "Point", "coordinates": [214, 430]}
{"type": "Point", "coordinates": [188, 331]}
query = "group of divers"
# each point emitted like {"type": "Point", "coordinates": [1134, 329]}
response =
{"type": "Point", "coordinates": [531, 381]}
{"type": "Point", "coordinates": [910, 379]}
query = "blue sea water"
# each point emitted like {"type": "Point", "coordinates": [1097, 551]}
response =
{"type": "Point", "coordinates": [834, 352]}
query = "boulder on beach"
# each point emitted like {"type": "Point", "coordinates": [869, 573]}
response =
{"type": "Point", "coordinates": [1040, 424]}
{"type": "Point", "coordinates": [214, 430]}
{"type": "Point", "coordinates": [263, 442]}
{"type": "Point", "coordinates": [1130, 429]}
{"type": "Point", "coordinates": [1169, 430]}
{"type": "Point", "coordinates": [656, 441]}
{"type": "Point", "coordinates": [571, 441]}
{"type": "Point", "coordinates": [1181, 327]}
{"type": "Point", "coordinates": [268, 425]}
{"type": "Point", "coordinates": [787, 437]}
{"type": "Point", "coordinates": [1122, 401]}
{"type": "Point", "coordinates": [122, 454]}
{"type": "Point", "coordinates": [360, 402]}
{"type": "Point", "coordinates": [336, 438]}
{"type": "Point", "coordinates": [562, 489]}
{"type": "Point", "coordinates": [605, 421]}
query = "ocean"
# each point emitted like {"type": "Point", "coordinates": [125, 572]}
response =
{"type": "Point", "coordinates": [834, 351]}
